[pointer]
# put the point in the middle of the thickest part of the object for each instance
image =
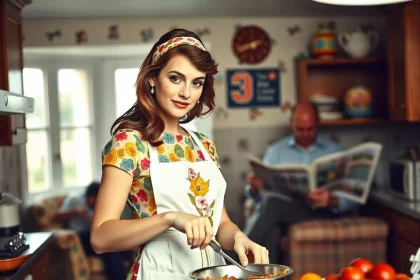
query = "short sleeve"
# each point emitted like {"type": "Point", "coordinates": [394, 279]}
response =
{"type": "Point", "coordinates": [210, 147]}
{"type": "Point", "coordinates": [127, 152]}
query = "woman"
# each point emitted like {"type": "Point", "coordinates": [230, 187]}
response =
{"type": "Point", "coordinates": [171, 176]}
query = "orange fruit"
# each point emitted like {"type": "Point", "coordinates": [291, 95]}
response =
{"type": "Point", "coordinates": [310, 276]}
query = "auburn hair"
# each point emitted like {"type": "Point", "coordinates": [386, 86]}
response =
{"type": "Point", "coordinates": [144, 116]}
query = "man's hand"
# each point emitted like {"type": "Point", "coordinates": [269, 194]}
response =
{"type": "Point", "coordinates": [322, 198]}
{"type": "Point", "coordinates": [255, 183]}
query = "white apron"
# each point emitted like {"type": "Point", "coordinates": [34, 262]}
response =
{"type": "Point", "coordinates": [196, 188]}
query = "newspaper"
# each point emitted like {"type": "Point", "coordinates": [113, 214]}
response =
{"type": "Point", "coordinates": [350, 171]}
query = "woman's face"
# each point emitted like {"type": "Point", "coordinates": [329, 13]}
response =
{"type": "Point", "coordinates": [178, 87]}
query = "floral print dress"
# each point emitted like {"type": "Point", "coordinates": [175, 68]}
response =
{"type": "Point", "coordinates": [128, 152]}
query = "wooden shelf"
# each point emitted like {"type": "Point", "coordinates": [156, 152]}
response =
{"type": "Point", "coordinates": [349, 122]}
{"type": "Point", "coordinates": [333, 77]}
{"type": "Point", "coordinates": [343, 61]}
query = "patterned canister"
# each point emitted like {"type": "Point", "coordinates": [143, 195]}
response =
{"type": "Point", "coordinates": [324, 43]}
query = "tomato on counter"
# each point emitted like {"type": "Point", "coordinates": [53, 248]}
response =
{"type": "Point", "coordinates": [364, 264]}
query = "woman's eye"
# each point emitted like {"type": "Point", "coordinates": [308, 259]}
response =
{"type": "Point", "coordinates": [198, 83]}
{"type": "Point", "coordinates": [175, 79]}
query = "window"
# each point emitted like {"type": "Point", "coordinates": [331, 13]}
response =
{"type": "Point", "coordinates": [125, 89]}
{"type": "Point", "coordinates": [38, 153]}
{"type": "Point", "coordinates": [60, 136]}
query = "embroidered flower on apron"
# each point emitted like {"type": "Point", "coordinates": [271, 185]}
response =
{"type": "Point", "coordinates": [199, 189]}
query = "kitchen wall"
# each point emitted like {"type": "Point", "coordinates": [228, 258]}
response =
{"type": "Point", "coordinates": [235, 132]}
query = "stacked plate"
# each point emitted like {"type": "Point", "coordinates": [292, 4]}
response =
{"type": "Point", "coordinates": [327, 107]}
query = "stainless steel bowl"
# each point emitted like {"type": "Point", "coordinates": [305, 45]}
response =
{"type": "Point", "coordinates": [214, 272]}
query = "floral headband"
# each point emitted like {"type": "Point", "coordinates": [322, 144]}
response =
{"type": "Point", "coordinates": [174, 42]}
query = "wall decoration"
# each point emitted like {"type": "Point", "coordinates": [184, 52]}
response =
{"type": "Point", "coordinates": [218, 79]}
{"type": "Point", "coordinates": [81, 36]}
{"type": "Point", "coordinates": [254, 113]}
{"type": "Point", "coordinates": [221, 113]}
{"type": "Point", "coordinates": [286, 106]}
{"type": "Point", "coordinates": [253, 87]}
{"type": "Point", "coordinates": [251, 44]}
{"type": "Point", "coordinates": [282, 66]}
{"type": "Point", "coordinates": [202, 32]}
{"type": "Point", "coordinates": [225, 160]}
{"type": "Point", "coordinates": [293, 29]}
{"type": "Point", "coordinates": [271, 142]}
{"type": "Point", "coordinates": [52, 34]}
{"type": "Point", "coordinates": [324, 42]}
{"type": "Point", "coordinates": [146, 35]}
{"type": "Point", "coordinates": [243, 145]}
{"type": "Point", "coordinates": [301, 55]}
{"type": "Point", "coordinates": [113, 32]}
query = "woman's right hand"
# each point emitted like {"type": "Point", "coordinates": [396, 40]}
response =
{"type": "Point", "coordinates": [198, 229]}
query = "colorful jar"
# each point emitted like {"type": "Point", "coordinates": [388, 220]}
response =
{"type": "Point", "coordinates": [358, 102]}
{"type": "Point", "coordinates": [324, 43]}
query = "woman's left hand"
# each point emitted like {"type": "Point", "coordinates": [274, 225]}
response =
{"type": "Point", "coordinates": [249, 251]}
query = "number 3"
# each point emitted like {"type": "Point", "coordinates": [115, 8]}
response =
{"type": "Point", "coordinates": [245, 82]}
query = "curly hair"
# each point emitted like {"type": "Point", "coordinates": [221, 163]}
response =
{"type": "Point", "coordinates": [144, 116]}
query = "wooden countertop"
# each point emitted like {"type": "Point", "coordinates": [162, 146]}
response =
{"type": "Point", "coordinates": [387, 199]}
{"type": "Point", "coordinates": [38, 243]}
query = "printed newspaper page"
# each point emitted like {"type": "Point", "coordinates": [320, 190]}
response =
{"type": "Point", "coordinates": [287, 179]}
{"type": "Point", "coordinates": [350, 172]}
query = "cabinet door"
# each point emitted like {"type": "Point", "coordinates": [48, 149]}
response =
{"type": "Point", "coordinates": [400, 253]}
{"type": "Point", "coordinates": [397, 69]}
{"type": "Point", "coordinates": [412, 54]}
{"type": "Point", "coordinates": [12, 127]}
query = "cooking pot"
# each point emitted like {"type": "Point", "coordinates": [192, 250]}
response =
{"type": "Point", "coordinates": [218, 271]}
{"type": "Point", "coordinates": [9, 214]}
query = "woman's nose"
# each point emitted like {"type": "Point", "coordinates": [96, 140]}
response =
{"type": "Point", "coordinates": [185, 92]}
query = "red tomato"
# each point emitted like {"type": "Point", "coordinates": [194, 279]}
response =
{"type": "Point", "coordinates": [364, 264]}
{"type": "Point", "coordinates": [352, 273]}
{"type": "Point", "coordinates": [333, 277]}
{"type": "Point", "coordinates": [382, 271]}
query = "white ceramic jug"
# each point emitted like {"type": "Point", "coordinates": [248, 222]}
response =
{"type": "Point", "coordinates": [358, 44]}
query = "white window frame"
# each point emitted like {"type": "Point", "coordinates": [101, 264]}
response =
{"type": "Point", "coordinates": [50, 65]}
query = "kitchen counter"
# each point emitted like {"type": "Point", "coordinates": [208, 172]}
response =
{"type": "Point", "coordinates": [37, 263]}
{"type": "Point", "coordinates": [387, 199]}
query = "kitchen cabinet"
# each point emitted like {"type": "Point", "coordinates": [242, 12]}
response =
{"type": "Point", "coordinates": [404, 235]}
{"type": "Point", "coordinates": [12, 127]}
{"type": "Point", "coordinates": [403, 29]}
{"type": "Point", "coordinates": [333, 77]}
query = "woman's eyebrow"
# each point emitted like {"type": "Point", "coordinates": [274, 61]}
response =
{"type": "Point", "coordinates": [183, 76]}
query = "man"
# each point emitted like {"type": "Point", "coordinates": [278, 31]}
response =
{"type": "Point", "coordinates": [272, 215]}
{"type": "Point", "coordinates": [76, 213]}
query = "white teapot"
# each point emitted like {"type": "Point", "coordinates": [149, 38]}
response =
{"type": "Point", "coordinates": [358, 44]}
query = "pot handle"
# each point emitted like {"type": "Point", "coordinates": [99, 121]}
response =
{"type": "Point", "coordinates": [12, 197]}
{"type": "Point", "coordinates": [342, 38]}
{"type": "Point", "coordinates": [374, 37]}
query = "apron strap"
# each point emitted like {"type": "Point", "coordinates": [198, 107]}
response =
{"type": "Point", "coordinates": [200, 145]}
{"type": "Point", "coordinates": [154, 157]}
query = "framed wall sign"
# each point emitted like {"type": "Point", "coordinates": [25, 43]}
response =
{"type": "Point", "coordinates": [253, 88]}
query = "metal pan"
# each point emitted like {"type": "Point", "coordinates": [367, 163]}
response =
{"type": "Point", "coordinates": [214, 272]}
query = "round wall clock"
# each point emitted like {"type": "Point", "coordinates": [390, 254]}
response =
{"type": "Point", "coordinates": [251, 44]}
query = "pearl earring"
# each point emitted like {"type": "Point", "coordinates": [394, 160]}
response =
{"type": "Point", "coordinates": [198, 101]}
{"type": "Point", "coordinates": [152, 90]}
